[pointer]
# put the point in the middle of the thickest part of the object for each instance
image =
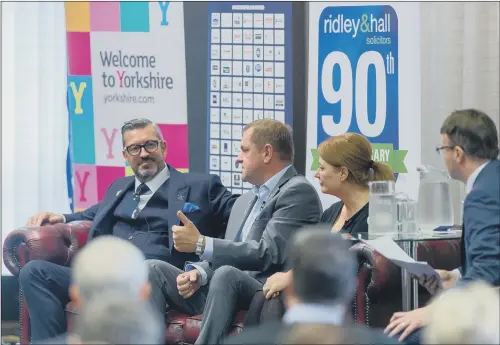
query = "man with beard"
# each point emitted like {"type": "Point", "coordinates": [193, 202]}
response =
{"type": "Point", "coordinates": [141, 209]}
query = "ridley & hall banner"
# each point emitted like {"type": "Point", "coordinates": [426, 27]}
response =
{"type": "Point", "coordinates": [364, 77]}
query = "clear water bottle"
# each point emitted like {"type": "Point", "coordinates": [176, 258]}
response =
{"type": "Point", "coordinates": [407, 215]}
{"type": "Point", "coordinates": [435, 207]}
{"type": "Point", "coordinates": [382, 208]}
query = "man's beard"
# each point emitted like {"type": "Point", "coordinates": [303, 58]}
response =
{"type": "Point", "coordinates": [148, 175]}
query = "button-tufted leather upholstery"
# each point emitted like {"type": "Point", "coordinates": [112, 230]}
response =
{"type": "Point", "coordinates": [379, 291]}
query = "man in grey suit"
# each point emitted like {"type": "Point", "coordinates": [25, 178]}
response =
{"type": "Point", "coordinates": [262, 221]}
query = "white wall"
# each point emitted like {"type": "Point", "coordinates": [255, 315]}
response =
{"type": "Point", "coordinates": [460, 69]}
{"type": "Point", "coordinates": [34, 115]}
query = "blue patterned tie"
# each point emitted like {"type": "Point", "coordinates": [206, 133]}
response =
{"type": "Point", "coordinates": [142, 189]}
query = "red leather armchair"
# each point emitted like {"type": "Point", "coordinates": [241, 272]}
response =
{"type": "Point", "coordinates": [58, 244]}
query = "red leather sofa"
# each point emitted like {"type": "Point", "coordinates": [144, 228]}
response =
{"type": "Point", "coordinates": [377, 297]}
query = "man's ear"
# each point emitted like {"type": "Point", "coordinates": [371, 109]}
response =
{"type": "Point", "coordinates": [74, 295]}
{"type": "Point", "coordinates": [164, 147]}
{"type": "Point", "coordinates": [459, 154]}
{"type": "Point", "coordinates": [268, 153]}
{"type": "Point", "coordinates": [145, 292]}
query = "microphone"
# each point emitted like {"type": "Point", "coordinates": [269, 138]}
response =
{"type": "Point", "coordinates": [263, 205]}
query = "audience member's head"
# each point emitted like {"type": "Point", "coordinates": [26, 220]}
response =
{"type": "Point", "coordinates": [144, 148]}
{"type": "Point", "coordinates": [117, 319]}
{"type": "Point", "coordinates": [323, 334]}
{"type": "Point", "coordinates": [109, 264]}
{"type": "Point", "coordinates": [324, 270]}
{"type": "Point", "coordinates": [468, 138]}
{"type": "Point", "coordinates": [475, 311]}
{"type": "Point", "coordinates": [345, 162]}
{"type": "Point", "coordinates": [266, 148]}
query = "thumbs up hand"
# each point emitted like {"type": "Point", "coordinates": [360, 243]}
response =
{"type": "Point", "coordinates": [185, 236]}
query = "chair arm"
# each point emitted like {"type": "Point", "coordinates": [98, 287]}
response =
{"type": "Point", "coordinates": [378, 288]}
{"type": "Point", "coordinates": [55, 243]}
{"type": "Point", "coordinates": [440, 254]}
{"type": "Point", "coordinates": [384, 274]}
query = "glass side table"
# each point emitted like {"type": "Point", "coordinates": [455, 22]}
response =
{"type": "Point", "coordinates": [409, 242]}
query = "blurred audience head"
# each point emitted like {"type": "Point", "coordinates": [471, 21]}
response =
{"type": "Point", "coordinates": [266, 148]}
{"type": "Point", "coordinates": [117, 319]}
{"type": "Point", "coordinates": [109, 264]}
{"type": "Point", "coordinates": [468, 137]}
{"type": "Point", "coordinates": [324, 270]}
{"type": "Point", "coordinates": [323, 334]}
{"type": "Point", "coordinates": [467, 315]}
{"type": "Point", "coordinates": [345, 161]}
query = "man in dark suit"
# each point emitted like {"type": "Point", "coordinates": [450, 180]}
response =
{"type": "Point", "coordinates": [323, 284]}
{"type": "Point", "coordinates": [470, 151]}
{"type": "Point", "coordinates": [141, 209]}
{"type": "Point", "coordinates": [262, 221]}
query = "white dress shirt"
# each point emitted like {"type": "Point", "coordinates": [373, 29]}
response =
{"type": "Point", "coordinates": [315, 313]}
{"type": "Point", "coordinates": [153, 185]}
{"type": "Point", "coordinates": [472, 178]}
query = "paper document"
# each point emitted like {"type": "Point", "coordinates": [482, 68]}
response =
{"type": "Point", "coordinates": [390, 249]}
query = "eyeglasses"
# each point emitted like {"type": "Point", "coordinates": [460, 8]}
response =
{"type": "Point", "coordinates": [150, 147]}
{"type": "Point", "coordinates": [440, 148]}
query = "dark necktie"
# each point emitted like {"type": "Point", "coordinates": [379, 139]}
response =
{"type": "Point", "coordinates": [132, 208]}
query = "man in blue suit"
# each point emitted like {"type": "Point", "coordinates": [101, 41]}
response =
{"type": "Point", "coordinates": [470, 151]}
{"type": "Point", "coordinates": [141, 209]}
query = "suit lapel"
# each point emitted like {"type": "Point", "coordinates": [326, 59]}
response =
{"type": "Point", "coordinates": [249, 200]}
{"type": "Point", "coordinates": [291, 172]}
{"type": "Point", "coordinates": [177, 196]}
{"type": "Point", "coordinates": [109, 204]}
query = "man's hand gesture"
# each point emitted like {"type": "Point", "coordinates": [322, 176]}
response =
{"type": "Point", "coordinates": [188, 283]}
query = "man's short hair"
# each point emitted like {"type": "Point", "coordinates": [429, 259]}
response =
{"type": "Point", "coordinates": [473, 131]}
{"type": "Point", "coordinates": [324, 269]}
{"type": "Point", "coordinates": [109, 263]}
{"type": "Point", "coordinates": [139, 123]}
{"type": "Point", "coordinates": [116, 319]}
{"type": "Point", "coordinates": [274, 133]}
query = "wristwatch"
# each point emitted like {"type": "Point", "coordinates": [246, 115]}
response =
{"type": "Point", "coordinates": [199, 246]}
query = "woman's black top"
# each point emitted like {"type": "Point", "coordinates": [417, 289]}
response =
{"type": "Point", "coordinates": [358, 223]}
